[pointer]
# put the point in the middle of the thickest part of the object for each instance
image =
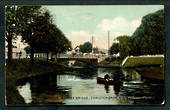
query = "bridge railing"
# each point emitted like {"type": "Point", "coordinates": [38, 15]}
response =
{"type": "Point", "coordinates": [100, 57]}
{"type": "Point", "coordinates": [79, 56]}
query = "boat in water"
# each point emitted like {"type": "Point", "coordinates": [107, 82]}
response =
{"type": "Point", "coordinates": [109, 81]}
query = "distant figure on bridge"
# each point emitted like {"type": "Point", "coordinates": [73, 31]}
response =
{"type": "Point", "coordinates": [107, 77]}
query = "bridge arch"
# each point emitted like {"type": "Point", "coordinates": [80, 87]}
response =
{"type": "Point", "coordinates": [91, 61]}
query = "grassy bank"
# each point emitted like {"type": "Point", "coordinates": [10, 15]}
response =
{"type": "Point", "coordinates": [143, 61]}
{"type": "Point", "coordinates": [78, 63]}
{"type": "Point", "coordinates": [22, 68]}
{"type": "Point", "coordinates": [111, 60]}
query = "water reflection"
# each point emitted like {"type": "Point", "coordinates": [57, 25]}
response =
{"type": "Point", "coordinates": [106, 88]}
{"type": "Point", "coordinates": [25, 91]}
{"type": "Point", "coordinates": [131, 74]}
{"type": "Point", "coordinates": [86, 73]}
{"type": "Point", "coordinates": [81, 88]}
{"type": "Point", "coordinates": [43, 89]}
{"type": "Point", "coordinates": [142, 91]}
{"type": "Point", "coordinates": [117, 89]}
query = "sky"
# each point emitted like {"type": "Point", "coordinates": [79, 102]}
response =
{"type": "Point", "coordinates": [80, 22]}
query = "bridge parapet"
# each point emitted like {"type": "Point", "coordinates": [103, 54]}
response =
{"type": "Point", "coordinates": [92, 61]}
{"type": "Point", "coordinates": [81, 57]}
{"type": "Point", "coordinates": [98, 56]}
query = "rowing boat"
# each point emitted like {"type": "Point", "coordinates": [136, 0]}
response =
{"type": "Point", "coordinates": [109, 81]}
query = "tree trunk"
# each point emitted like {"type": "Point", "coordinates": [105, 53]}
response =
{"type": "Point", "coordinates": [32, 54]}
{"type": "Point", "coordinates": [9, 49]}
{"type": "Point", "coordinates": [47, 55]}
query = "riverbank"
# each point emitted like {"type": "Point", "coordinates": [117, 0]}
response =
{"type": "Point", "coordinates": [22, 68]}
{"type": "Point", "coordinates": [110, 62]}
{"type": "Point", "coordinates": [145, 60]}
{"type": "Point", "coordinates": [149, 66]}
{"type": "Point", "coordinates": [152, 72]}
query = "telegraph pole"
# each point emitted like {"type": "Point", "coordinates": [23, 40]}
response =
{"type": "Point", "coordinates": [92, 44]}
{"type": "Point", "coordinates": [108, 41]}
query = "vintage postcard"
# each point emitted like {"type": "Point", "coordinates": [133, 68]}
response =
{"type": "Point", "coordinates": [84, 55]}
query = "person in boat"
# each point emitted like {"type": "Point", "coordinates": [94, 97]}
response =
{"type": "Point", "coordinates": [107, 77]}
{"type": "Point", "coordinates": [116, 76]}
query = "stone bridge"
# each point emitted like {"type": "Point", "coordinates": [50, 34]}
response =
{"type": "Point", "coordinates": [92, 61]}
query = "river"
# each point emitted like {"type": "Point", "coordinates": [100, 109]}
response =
{"type": "Point", "coordinates": [81, 88]}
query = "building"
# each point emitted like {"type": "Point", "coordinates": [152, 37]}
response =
{"type": "Point", "coordinates": [20, 53]}
{"type": "Point", "coordinates": [17, 53]}
{"type": "Point", "coordinates": [77, 49]}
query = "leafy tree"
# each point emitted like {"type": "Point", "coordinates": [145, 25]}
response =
{"type": "Point", "coordinates": [35, 32]}
{"type": "Point", "coordinates": [148, 38]}
{"type": "Point", "coordinates": [114, 49]}
{"type": "Point", "coordinates": [95, 49]}
{"type": "Point", "coordinates": [27, 49]}
{"type": "Point", "coordinates": [150, 34]}
{"type": "Point", "coordinates": [55, 41]}
{"type": "Point", "coordinates": [16, 18]}
{"type": "Point", "coordinates": [86, 47]}
{"type": "Point", "coordinates": [31, 35]}
{"type": "Point", "coordinates": [125, 45]}
{"type": "Point", "coordinates": [45, 37]}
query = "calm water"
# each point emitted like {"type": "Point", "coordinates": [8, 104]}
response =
{"type": "Point", "coordinates": [81, 88]}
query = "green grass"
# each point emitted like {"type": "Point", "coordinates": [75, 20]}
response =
{"type": "Point", "coordinates": [111, 60]}
{"type": "Point", "coordinates": [22, 68]}
{"type": "Point", "coordinates": [143, 61]}
{"type": "Point", "coordinates": [103, 62]}
{"type": "Point", "coordinates": [78, 63]}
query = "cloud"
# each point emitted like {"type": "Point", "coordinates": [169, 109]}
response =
{"type": "Point", "coordinates": [135, 24]}
{"type": "Point", "coordinates": [119, 25]}
{"type": "Point", "coordinates": [82, 36]}
{"type": "Point", "coordinates": [78, 37]}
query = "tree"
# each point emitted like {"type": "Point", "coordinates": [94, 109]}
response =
{"type": "Point", "coordinates": [17, 17]}
{"type": "Point", "coordinates": [114, 49]}
{"type": "Point", "coordinates": [27, 49]}
{"type": "Point", "coordinates": [149, 36]}
{"type": "Point", "coordinates": [95, 49]}
{"type": "Point", "coordinates": [55, 41]}
{"type": "Point", "coordinates": [86, 47]}
{"type": "Point", "coordinates": [125, 46]}
{"type": "Point", "coordinates": [45, 37]}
